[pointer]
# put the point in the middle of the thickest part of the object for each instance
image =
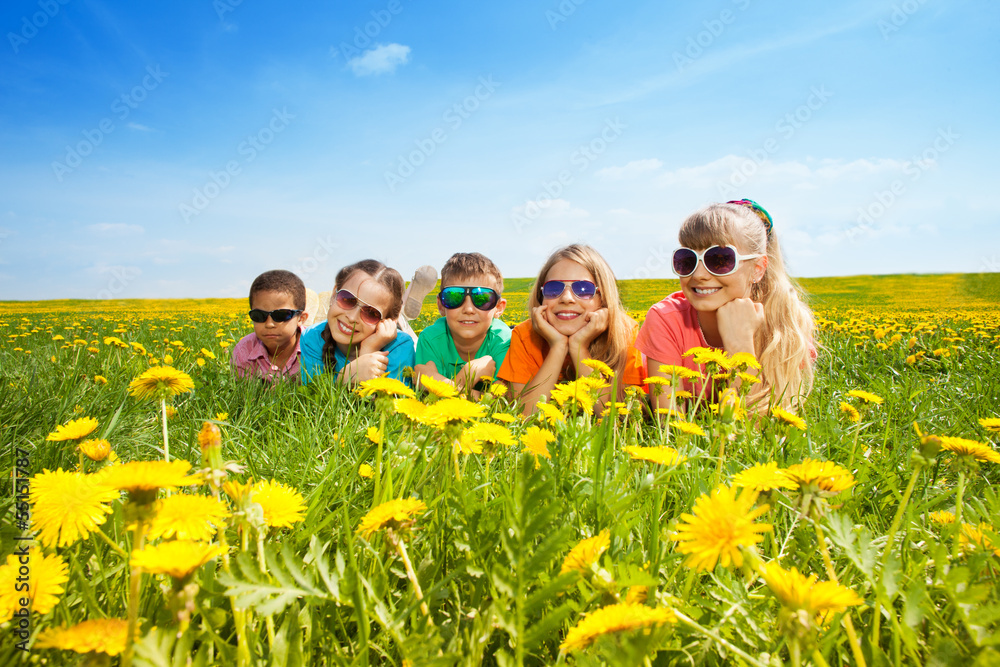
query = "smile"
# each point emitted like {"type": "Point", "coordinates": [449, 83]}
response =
{"type": "Point", "coordinates": [567, 315]}
{"type": "Point", "coordinates": [344, 329]}
{"type": "Point", "coordinates": [705, 290]}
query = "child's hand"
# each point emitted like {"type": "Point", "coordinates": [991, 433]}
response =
{"type": "Point", "coordinates": [473, 371]}
{"type": "Point", "coordinates": [541, 324]}
{"type": "Point", "coordinates": [368, 366]}
{"type": "Point", "coordinates": [596, 323]}
{"type": "Point", "coordinates": [385, 333]}
{"type": "Point", "coordinates": [738, 322]}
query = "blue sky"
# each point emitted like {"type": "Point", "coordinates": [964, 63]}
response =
{"type": "Point", "coordinates": [179, 149]}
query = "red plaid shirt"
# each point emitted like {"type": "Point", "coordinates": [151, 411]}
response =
{"type": "Point", "coordinates": [251, 359]}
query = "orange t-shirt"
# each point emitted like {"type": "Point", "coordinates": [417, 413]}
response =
{"type": "Point", "coordinates": [527, 354]}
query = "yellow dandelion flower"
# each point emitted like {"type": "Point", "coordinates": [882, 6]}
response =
{"type": "Point", "coordinates": [199, 361]}
{"type": "Point", "coordinates": [969, 448]}
{"type": "Point", "coordinates": [991, 424]}
{"type": "Point", "coordinates": [374, 434]}
{"type": "Point", "coordinates": [95, 449]}
{"type": "Point", "coordinates": [973, 538]}
{"type": "Point", "coordinates": [764, 477]}
{"type": "Point", "coordinates": [73, 430]}
{"type": "Point", "coordinates": [720, 524]}
{"type": "Point", "coordinates": [386, 385]}
{"type": "Point", "coordinates": [68, 506]}
{"type": "Point", "coordinates": [850, 412]}
{"type": "Point", "coordinates": [795, 591]}
{"type": "Point", "coordinates": [238, 491]}
{"type": "Point", "coordinates": [168, 359]}
{"type": "Point", "coordinates": [209, 437]}
{"type": "Point", "coordinates": [455, 409]}
{"type": "Point", "coordinates": [467, 444]}
{"type": "Point", "coordinates": [825, 477]}
{"type": "Point", "coordinates": [943, 517]}
{"type": "Point", "coordinates": [439, 388]}
{"type": "Point", "coordinates": [412, 409]}
{"type": "Point", "coordinates": [536, 441]}
{"type": "Point", "coordinates": [146, 477]}
{"type": "Point", "coordinates": [748, 379]}
{"type": "Point", "coordinates": [788, 417]}
{"type": "Point", "coordinates": [492, 433]}
{"type": "Point", "coordinates": [664, 456]}
{"type": "Point", "coordinates": [550, 413]}
{"type": "Point", "coordinates": [577, 392]}
{"type": "Point", "coordinates": [504, 417]}
{"type": "Point", "coordinates": [670, 412]}
{"type": "Point", "coordinates": [624, 617]}
{"type": "Point", "coordinates": [599, 366]}
{"type": "Point", "coordinates": [865, 396]}
{"type": "Point", "coordinates": [188, 517]}
{"type": "Point", "coordinates": [708, 356]}
{"type": "Point", "coordinates": [207, 353]}
{"type": "Point", "coordinates": [657, 380]}
{"type": "Point", "coordinates": [744, 359]}
{"type": "Point", "coordinates": [282, 504]}
{"type": "Point", "coordinates": [221, 416]}
{"type": "Point", "coordinates": [171, 411]}
{"type": "Point", "coordinates": [394, 515]}
{"type": "Point", "coordinates": [46, 576]}
{"type": "Point", "coordinates": [498, 389]}
{"type": "Point", "coordinates": [178, 558]}
{"type": "Point", "coordinates": [682, 372]}
{"type": "Point", "coordinates": [688, 428]}
{"type": "Point", "coordinates": [365, 470]}
{"type": "Point", "coordinates": [99, 635]}
{"type": "Point", "coordinates": [100, 379]}
{"type": "Point", "coordinates": [586, 553]}
{"type": "Point", "coordinates": [637, 594]}
{"type": "Point", "coordinates": [160, 382]}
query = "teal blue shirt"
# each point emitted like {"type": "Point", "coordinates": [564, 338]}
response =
{"type": "Point", "coordinates": [399, 351]}
{"type": "Point", "coordinates": [436, 344]}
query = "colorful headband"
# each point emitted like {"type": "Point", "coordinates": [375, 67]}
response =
{"type": "Point", "coordinates": [764, 216]}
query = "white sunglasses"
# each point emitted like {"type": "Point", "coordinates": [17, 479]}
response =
{"type": "Point", "coordinates": [718, 260]}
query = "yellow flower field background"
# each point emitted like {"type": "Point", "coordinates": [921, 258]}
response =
{"type": "Point", "coordinates": [182, 517]}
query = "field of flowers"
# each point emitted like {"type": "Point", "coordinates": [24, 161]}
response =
{"type": "Point", "coordinates": [322, 526]}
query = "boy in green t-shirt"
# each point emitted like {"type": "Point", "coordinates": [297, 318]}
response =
{"type": "Point", "coordinates": [468, 342]}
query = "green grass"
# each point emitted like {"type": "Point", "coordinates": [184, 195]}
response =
{"type": "Point", "coordinates": [488, 551]}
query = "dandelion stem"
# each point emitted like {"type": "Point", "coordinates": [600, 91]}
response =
{"type": "Point", "coordinates": [890, 540]}
{"type": "Point", "coordinates": [401, 548]}
{"type": "Point", "coordinates": [819, 659]}
{"type": "Point", "coordinates": [958, 514]}
{"type": "Point", "coordinates": [852, 636]}
{"type": "Point", "coordinates": [166, 442]}
{"type": "Point", "coordinates": [111, 543]}
{"type": "Point", "coordinates": [134, 590]}
{"type": "Point", "coordinates": [715, 637]}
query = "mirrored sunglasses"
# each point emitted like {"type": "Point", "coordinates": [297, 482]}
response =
{"type": "Point", "coordinates": [718, 260]}
{"type": "Point", "coordinates": [582, 289]}
{"type": "Point", "coordinates": [483, 298]}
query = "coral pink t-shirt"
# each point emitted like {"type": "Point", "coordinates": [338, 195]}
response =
{"type": "Point", "coordinates": [671, 328]}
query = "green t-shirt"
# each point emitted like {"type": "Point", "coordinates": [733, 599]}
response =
{"type": "Point", "coordinates": [436, 344]}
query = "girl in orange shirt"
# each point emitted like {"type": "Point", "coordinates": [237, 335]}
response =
{"type": "Point", "coordinates": [576, 314]}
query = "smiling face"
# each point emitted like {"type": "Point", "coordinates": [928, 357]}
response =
{"type": "Point", "coordinates": [707, 293]}
{"type": "Point", "coordinates": [467, 324]}
{"type": "Point", "coordinates": [276, 335]}
{"type": "Point", "coordinates": [346, 326]}
{"type": "Point", "coordinates": [566, 311]}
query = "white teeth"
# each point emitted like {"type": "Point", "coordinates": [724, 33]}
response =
{"type": "Point", "coordinates": [345, 329]}
{"type": "Point", "coordinates": [712, 290]}
{"type": "Point", "coordinates": [567, 316]}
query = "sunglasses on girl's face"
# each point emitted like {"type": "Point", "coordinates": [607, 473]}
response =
{"type": "Point", "coordinates": [718, 260]}
{"type": "Point", "coordinates": [483, 298]}
{"type": "Point", "coordinates": [278, 316]}
{"type": "Point", "coordinates": [346, 300]}
{"type": "Point", "coordinates": [583, 289]}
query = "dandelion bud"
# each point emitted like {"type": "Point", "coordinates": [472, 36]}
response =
{"type": "Point", "coordinates": [95, 450]}
{"type": "Point", "coordinates": [209, 437]}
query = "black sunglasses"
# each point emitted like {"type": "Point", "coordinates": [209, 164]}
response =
{"type": "Point", "coordinates": [281, 315]}
{"type": "Point", "coordinates": [483, 298]}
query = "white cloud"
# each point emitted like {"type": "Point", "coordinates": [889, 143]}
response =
{"type": "Point", "coordinates": [383, 59]}
{"type": "Point", "coordinates": [115, 229]}
{"type": "Point", "coordinates": [140, 127]}
{"type": "Point", "coordinates": [631, 170]}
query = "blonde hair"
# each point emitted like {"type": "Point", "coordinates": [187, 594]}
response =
{"type": "Point", "coordinates": [784, 343]}
{"type": "Point", "coordinates": [611, 346]}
